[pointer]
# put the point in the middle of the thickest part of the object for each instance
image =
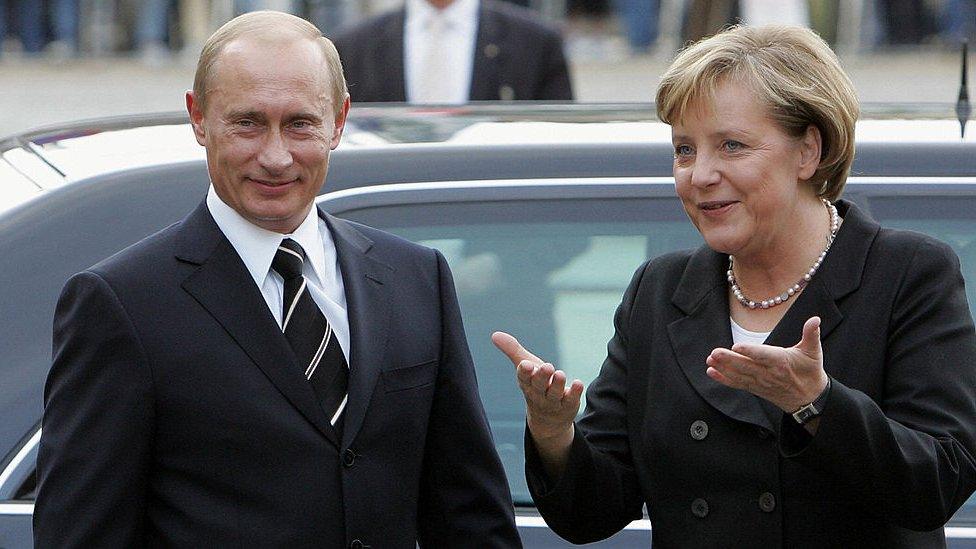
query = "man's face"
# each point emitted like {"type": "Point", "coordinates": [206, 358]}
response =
{"type": "Point", "coordinates": [268, 126]}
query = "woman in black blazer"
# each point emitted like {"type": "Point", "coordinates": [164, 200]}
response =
{"type": "Point", "coordinates": [805, 379]}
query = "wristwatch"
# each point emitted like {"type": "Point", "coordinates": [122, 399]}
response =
{"type": "Point", "coordinates": [807, 412]}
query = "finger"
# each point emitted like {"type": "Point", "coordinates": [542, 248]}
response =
{"type": "Point", "coordinates": [524, 372]}
{"type": "Point", "coordinates": [557, 387]}
{"type": "Point", "coordinates": [574, 393]}
{"type": "Point", "coordinates": [512, 348]}
{"type": "Point", "coordinates": [720, 377]}
{"type": "Point", "coordinates": [762, 355]}
{"type": "Point", "coordinates": [810, 341]}
{"type": "Point", "coordinates": [734, 373]}
{"type": "Point", "coordinates": [540, 378]}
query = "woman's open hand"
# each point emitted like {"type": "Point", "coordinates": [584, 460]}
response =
{"type": "Point", "coordinates": [550, 404]}
{"type": "Point", "coordinates": [787, 377]}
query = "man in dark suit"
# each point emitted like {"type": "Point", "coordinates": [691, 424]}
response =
{"type": "Point", "coordinates": [262, 374]}
{"type": "Point", "coordinates": [482, 50]}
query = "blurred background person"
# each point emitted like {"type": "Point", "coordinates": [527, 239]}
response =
{"type": "Point", "coordinates": [740, 401]}
{"type": "Point", "coordinates": [454, 51]}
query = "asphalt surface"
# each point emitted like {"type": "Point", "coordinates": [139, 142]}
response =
{"type": "Point", "coordinates": [39, 92]}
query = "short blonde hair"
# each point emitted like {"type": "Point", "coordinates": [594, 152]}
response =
{"type": "Point", "coordinates": [272, 24]}
{"type": "Point", "coordinates": [792, 70]}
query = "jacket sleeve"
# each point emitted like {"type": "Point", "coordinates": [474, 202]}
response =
{"type": "Point", "coordinates": [94, 453]}
{"type": "Point", "coordinates": [598, 493]}
{"type": "Point", "coordinates": [464, 495]}
{"type": "Point", "coordinates": [911, 454]}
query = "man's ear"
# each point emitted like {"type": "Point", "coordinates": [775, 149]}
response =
{"type": "Point", "coordinates": [810, 146]}
{"type": "Point", "coordinates": [340, 123]}
{"type": "Point", "coordinates": [196, 118]}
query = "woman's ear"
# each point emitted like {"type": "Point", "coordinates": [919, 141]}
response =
{"type": "Point", "coordinates": [810, 146]}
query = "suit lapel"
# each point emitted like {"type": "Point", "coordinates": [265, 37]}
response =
{"type": "Point", "coordinates": [488, 53]}
{"type": "Point", "coordinates": [368, 294]}
{"type": "Point", "coordinates": [701, 295]}
{"type": "Point", "coordinates": [223, 286]}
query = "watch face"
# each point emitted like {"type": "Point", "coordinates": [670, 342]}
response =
{"type": "Point", "coordinates": [805, 414]}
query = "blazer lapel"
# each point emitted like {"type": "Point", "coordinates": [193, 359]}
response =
{"type": "Point", "coordinates": [223, 286]}
{"type": "Point", "coordinates": [368, 298]}
{"type": "Point", "coordinates": [701, 294]}
{"type": "Point", "coordinates": [489, 50]}
{"type": "Point", "coordinates": [839, 275]}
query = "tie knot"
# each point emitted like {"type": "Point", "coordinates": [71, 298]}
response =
{"type": "Point", "coordinates": [288, 259]}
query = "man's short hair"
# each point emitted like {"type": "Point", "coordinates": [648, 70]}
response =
{"type": "Point", "coordinates": [270, 24]}
{"type": "Point", "coordinates": [792, 70]}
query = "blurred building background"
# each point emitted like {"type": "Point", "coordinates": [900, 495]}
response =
{"type": "Point", "coordinates": [68, 59]}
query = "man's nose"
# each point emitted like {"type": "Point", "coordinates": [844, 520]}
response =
{"type": "Point", "coordinates": [275, 156]}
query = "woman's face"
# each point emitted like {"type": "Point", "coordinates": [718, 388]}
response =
{"type": "Point", "coordinates": [738, 175]}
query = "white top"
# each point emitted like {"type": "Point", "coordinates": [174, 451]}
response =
{"type": "Point", "coordinates": [455, 55]}
{"type": "Point", "coordinates": [741, 335]}
{"type": "Point", "coordinates": [257, 248]}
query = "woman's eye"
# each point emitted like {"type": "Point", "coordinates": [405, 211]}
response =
{"type": "Point", "coordinates": [683, 150]}
{"type": "Point", "coordinates": [732, 146]}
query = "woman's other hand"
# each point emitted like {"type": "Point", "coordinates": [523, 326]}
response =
{"type": "Point", "coordinates": [787, 377]}
{"type": "Point", "coordinates": [550, 405]}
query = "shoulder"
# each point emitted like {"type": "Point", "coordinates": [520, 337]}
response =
{"type": "Point", "coordinates": [910, 247]}
{"type": "Point", "coordinates": [146, 255]}
{"type": "Point", "coordinates": [384, 243]}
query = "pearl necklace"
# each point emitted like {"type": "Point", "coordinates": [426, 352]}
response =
{"type": "Point", "coordinates": [795, 288]}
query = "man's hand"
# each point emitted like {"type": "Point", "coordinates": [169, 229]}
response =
{"type": "Point", "coordinates": [787, 377]}
{"type": "Point", "coordinates": [550, 405]}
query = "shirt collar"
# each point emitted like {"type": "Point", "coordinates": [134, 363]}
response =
{"type": "Point", "coordinates": [257, 246]}
{"type": "Point", "coordinates": [459, 14]}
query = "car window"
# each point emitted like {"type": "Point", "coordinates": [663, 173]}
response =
{"type": "Point", "coordinates": [550, 272]}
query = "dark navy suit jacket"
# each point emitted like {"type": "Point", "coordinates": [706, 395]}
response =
{"type": "Point", "coordinates": [176, 415]}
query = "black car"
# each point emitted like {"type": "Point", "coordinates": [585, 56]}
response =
{"type": "Point", "coordinates": [546, 208]}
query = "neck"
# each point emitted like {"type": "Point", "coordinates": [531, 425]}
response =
{"type": "Point", "coordinates": [440, 4]}
{"type": "Point", "coordinates": [788, 256]}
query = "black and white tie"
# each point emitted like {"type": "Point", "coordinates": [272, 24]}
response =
{"type": "Point", "coordinates": [310, 335]}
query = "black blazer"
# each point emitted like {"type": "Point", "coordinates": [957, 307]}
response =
{"type": "Point", "coordinates": [516, 57]}
{"type": "Point", "coordinates": [893, 457]}
{"type": "Point", "coordinates": [175, 414]}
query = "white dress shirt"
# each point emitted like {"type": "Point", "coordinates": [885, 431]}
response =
{"type": "Point", "coordinates": [257, 248]}
{"type": "Point", "coordinates": [459, 22]}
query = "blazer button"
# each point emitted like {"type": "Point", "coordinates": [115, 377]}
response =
{"type": "Point", "coordinates": [358, 544]}
{"type": "Point", "coordinates": [349, 458]}
{"type": "Point", "coordinates": [699, 430]}
{"type": "Point", "coordinates": [767, 502]}
{"type": "Point", "coordinates": [699, 508]}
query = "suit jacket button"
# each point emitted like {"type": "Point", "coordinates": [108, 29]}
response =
{"type": "Point", "coordinates": [349, 458]}
{"type": "Point", "coordinates": [767, 502]}
{"type": "Point", "coordinates": [763, 433]}
{"type": "Point", "coordinates": [357, 544]}
{"type": "Point", "coordinates": [699, 430]}
{"type": "Point", "coordinates": [699, 508]}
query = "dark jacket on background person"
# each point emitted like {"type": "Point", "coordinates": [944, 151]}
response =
{"type": "Point", "coordinates": [516, 57]}
{"type": "Point", "coordinates": [892, 460]}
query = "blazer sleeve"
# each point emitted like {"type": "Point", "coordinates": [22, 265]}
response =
{"type": "Point", "coordinates": [598, 493]}
{"type": "Point", "coordinates": [94, 453]}
{"type": "Point", "coordinates": [464, 493]}
{"type": "Point", "coordinates": [911, 455]}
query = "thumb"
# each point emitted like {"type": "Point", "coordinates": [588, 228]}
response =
{"type": "Point", "coordinates": [512, 348]}
{"type": "Point", "coordinates": [810, 342]}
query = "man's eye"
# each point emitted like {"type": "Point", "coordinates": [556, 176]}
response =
{"type": "Point", "coordinates": [245, 123]}
{"type": "Point", "coordinates": [300, 124]}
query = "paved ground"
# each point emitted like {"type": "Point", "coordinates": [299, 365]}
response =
{"type": "Point", "coordinates": [39, 92]}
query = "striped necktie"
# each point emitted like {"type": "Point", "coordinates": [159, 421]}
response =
{"type": "Point", "coordinates": [310, 335]}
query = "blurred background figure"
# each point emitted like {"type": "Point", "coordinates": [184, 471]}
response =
{"type": "Point", "coordinates": [640, 22]}
{"type": "Point", "coordinates": [49, 27]}
{"type": "Point", "coordinates": [454, 51]}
